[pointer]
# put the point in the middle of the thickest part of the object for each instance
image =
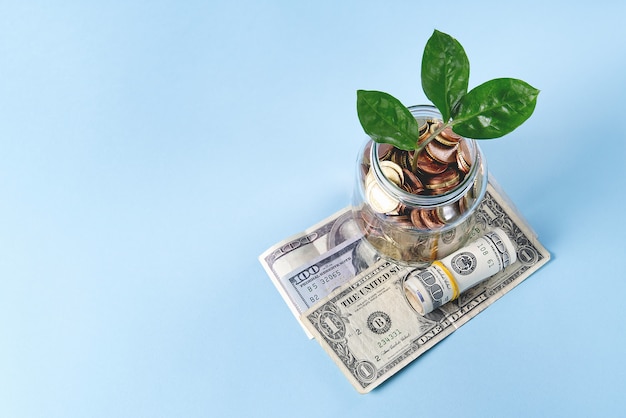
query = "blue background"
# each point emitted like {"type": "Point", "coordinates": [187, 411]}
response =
{"type": "Point", "coordinates": [151, 150]}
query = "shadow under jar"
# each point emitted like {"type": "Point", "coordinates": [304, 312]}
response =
{"type": "Point", "coordinates": [419, 208]}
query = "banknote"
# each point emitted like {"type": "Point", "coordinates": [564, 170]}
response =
{"type": "Point", "coordinates": [307, 266]}
{"type": "Point", "coordinates": [369, 328]}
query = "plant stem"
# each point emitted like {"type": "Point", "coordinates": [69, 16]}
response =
{"type": "Point", "coordinates": [420, 146]}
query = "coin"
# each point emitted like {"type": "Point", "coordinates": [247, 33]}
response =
{"type": "Point", "coordinates": [426, 164]}
{"type": "Point", "coordinates": [393, 172]}
{"type": "Point", "coordinates": [463, 157]}
{"type": "Point", "coordinates": [384, 151]}
{"type": "Point", "coordinates": [448, 137]}
{"type": "Point", "coordinates": [442, 190]}
{"type": "Point", "coordinates": [450, 177]}
{"type": "Point", "coordinates": [423, 136]}
{"type": "Point", "coordinates": [379, 199]}
{"type": "Point", "coordinates": [430, 219]}
{"type": "Point", "coordinates": [448, 213]}
{"type": "Point", "coordinates": [441, 153]}
{"type": "Point", "coordinates": [416, 219]}
{"type": "Point", "coordinates": [434, 125]}
{"type": "Point", "coordinates": [401, 158]}
{"type": "Point", "coordinates": [370, 222]}
{"type": "Point", "coordinates": [401, 209]}
{"type": "Point", "coordinates": [412, 183]}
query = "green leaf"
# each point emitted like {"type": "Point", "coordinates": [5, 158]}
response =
{"type": "Point", "coordinates": [445, 72]}
{"type": "Point", "coordinates": [494, 108]}
{"type": "Point", "coordinates": [386, 120]}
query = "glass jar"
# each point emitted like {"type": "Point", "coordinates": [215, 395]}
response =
{"type": "Point", "coordinates": [417, 208]}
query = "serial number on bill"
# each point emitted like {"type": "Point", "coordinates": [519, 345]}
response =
{"type": "Point", "coordinates": [324, 280]}
{"type": "Point", "coordinates": [393, 335]}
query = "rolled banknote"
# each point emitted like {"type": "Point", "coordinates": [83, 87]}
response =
{"type": "Point", "coordinates": [444, 280]}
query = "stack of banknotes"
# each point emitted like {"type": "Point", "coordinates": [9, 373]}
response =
{"type": "Point", "coordinates": [353, 301]}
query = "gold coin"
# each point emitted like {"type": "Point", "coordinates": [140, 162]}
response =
{"type": "Point", "coordinates": [401, 158]}
{"type": "Point", "coordinates": [393, 172]}
{"type": "Point", "coordinates": [463, 157]}
{"type": "Point", "coordinates": [423, 136]}
{"type": "Point", "coordinates": [448, 137]}
{"type": "Point", "coordinates": [379, 200]}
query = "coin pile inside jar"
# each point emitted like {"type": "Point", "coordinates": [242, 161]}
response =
{"type": "Point", "coordinates": [440, 166]}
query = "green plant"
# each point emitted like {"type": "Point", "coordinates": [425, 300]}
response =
{"type": "Point", "coordinates": [490, 110]}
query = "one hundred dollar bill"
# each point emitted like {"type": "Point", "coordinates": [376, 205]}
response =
{"type": "Point", "coordinates": [306, 267]}
{"type": "Point", "coordinates": [369, 328]}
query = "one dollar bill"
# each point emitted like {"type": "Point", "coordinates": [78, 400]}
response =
{"type": "Point", "coordinates": [371, 332]}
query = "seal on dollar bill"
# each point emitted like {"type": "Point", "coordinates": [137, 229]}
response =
{"type": "Point", "coordinates": [379, 322]}
{"type": "Point", "coordinates": [464, 263]}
